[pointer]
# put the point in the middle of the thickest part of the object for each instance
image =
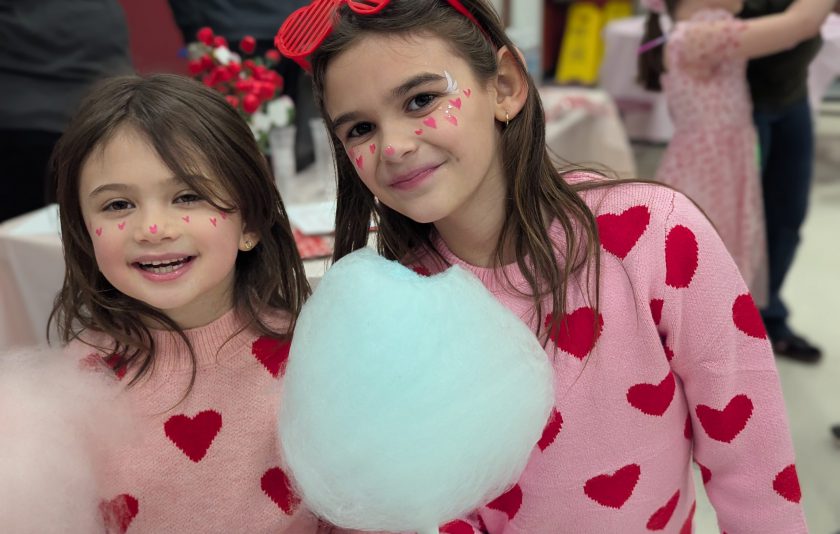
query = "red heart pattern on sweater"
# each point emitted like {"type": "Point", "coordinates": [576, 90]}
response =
{"type": "Point", "coordinates": [194, 435]}
{"type": "Point", "coordinates": [653, 399]}
{"type": "Point", "coordinates": [747, 318]}
{"type": "Point", "coordinates": [688, 430]}
{"type": "Point", "coordinates": [552, 428]}
{"type": "Point", "coordinates": [786, 484]}
{"type": "Point", "coordinates": [689, 521]}
{"type": "Point", "coordinates": [724, 425]}
{"type": "Point", "coordinates": [681, 257]}
{"type": "Point", "coordinates": [457, 527]}
{"type": "Point", "coordinates": [620, 233]}
{"type": "Point", "coordinates": [659, 519]}
{"type": "Point", "coordinates": [577, 332]}
{"type": "Point", "coordinates": [613, 490]}
{"type": "Point", "coordinates": [119, 512]}
{"type": "Point", "coordinates": [508, 502]}
{"type": "Point", "coordinates": [272, 353]}
{"type": "Point", "coordinates": [656, 310]}
{"type": "Point", "coordinates": [277, 486]}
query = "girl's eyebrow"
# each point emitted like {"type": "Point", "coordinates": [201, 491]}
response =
{"type": "Point", "coordinates": [396, 94]}
{"type": "Point", "coordinates": [122, 188]}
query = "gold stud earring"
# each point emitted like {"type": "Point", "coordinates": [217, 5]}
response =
{"type": "Point", "coordinates": [248, 244]}
{"type": "Point", "coordinates": [507, 119]}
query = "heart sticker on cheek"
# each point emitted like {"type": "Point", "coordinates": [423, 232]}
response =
{"type": "Point", "coordinates": [99, 231]}
{"type": "Point", "coordinates": [456, 102]}
{"type": "Point", "coordinates": [430, 122]}
{"type": "Point", "coordinates": [186, 218]}
{"type": "Point", "coordinates": [360, 162]}
{"type": "Point", "coordinates": [372, 148]}
{"type": "Point", "coordinates": [213, 221]}
{"type": "Point", "coordinates": [418, 132]}
{"type": "Point", "coordinates": [121, 225]}
{"type": "Point", "coordinates": [467, 92]}
{"type": "Point", "coordinates": [453, 119]}
{"type": "Point", "coordinates": [224, 215]}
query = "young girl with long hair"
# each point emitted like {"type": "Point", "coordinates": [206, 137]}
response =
{"type": "Point", "coordinates": [712, 156]}
{"type": "Point", "coordinates": [183, 277]}
{"type": "Point", "coordinates": [659, 352]}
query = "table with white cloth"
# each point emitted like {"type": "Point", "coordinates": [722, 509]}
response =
{"type": "Point", "coordinates": [583, 128]}
{"type": "Point", "coordinates": [645, 113]}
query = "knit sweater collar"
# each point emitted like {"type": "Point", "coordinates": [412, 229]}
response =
{"type": "Point", "coordinates": [212, 343]}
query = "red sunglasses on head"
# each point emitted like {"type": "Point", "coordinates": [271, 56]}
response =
{"type": "Point", "coordinates": [305, 29]}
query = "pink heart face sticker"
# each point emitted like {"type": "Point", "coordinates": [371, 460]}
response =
{"type": "Point", "coordinates": [213, 221]}
{"type": "Point", "coordinates": [360, 162]}
{"type": "Point", "coordinates": [153, 228]}
{"type": "Point", "coordinates": [224, 215]}
{"type": "Point", "coordinates": [186, 218]}
{"type": "Point", "coordinates": [467, 92]}
{"type": "Point", "coordinates": [456, 102]}
{"type": "Point", "coordinates": [372, 148]}
{"type": "Point", "coordinates": [99, 231]}
{"type": "Point", "coordinates": [121, 225]}
{"type": "Point", "coordinates": [453, 119]}
{"type": "Point", "coordinates": [418, 132]}
{"type": "Point", "coordinates": [390, 151]}
{"type": "Point", "coordinates": [430, 122]}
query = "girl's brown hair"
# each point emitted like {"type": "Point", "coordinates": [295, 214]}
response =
{"type": "Point", "coordinates": [535, 188]}
{"type": "Point", "coordinates": [651, 63]}
{"type": "Point", "coordinates": [199, 136]}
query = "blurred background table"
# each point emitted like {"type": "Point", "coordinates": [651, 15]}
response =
{"type": "Point", "coordinates": [645, 113]}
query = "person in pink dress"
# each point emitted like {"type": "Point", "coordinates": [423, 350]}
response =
{"type": "Point", "coordinates": [713, 155]}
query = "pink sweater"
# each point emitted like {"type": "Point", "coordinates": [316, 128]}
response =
{"type": "Point", "coordinates": [211, 463]}
{"type": "Point", "coordinates": [681, 370]}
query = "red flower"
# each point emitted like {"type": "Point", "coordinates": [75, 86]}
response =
{"type": "Point", "coordinates": [250, 103]}
{"type": "Point", "coordinates": [205, 35]}
{"type": "Point", "coordinates": [206, 62]}
{"type": "Point", "coordinates": [272, 56]}
{"type": "Point", "coordinates": [195, 67]}
{"type": "Point", "coordinates": [220, 41]}
{"type": "Point", "coordinates": [248, 44]}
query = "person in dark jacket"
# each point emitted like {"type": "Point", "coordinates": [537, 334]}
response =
{"type": "Point", "coordinates": [51, 51]}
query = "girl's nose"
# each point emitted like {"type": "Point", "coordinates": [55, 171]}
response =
{"type": "Point", "coordinates": [397, 144]}
{"type": "Point", "coordinates": [155, 227]}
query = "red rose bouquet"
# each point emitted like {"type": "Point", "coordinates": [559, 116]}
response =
{"type": "Point", "coordinates": [250, 85]}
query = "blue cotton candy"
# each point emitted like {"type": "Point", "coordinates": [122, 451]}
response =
{"type": "Point", "coordinates": [408, 401]}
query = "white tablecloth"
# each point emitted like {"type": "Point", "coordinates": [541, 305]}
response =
{"type": "Point", "coordinates": [645, 113]}
{"type": "Point", "coordinates": [583, 127]}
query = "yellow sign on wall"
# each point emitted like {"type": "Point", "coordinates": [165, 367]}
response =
{"type": "Point", "coordinates": [582, 46]}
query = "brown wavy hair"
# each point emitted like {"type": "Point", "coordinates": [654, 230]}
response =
{"type": "Point", "coordinates": [651, 63]}
{"type": "Point", "coordinates": [194, 131]}
{"type": "Point", "coordinates": [535, 186]}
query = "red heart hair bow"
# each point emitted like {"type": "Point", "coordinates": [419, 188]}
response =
{"type": "Point", "coordinates": [306, 28]}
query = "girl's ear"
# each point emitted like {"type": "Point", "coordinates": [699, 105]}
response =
{"type": "Point", "coordinates": [511, 85]}
{"type": "Point", "coordinates": [248, 241]}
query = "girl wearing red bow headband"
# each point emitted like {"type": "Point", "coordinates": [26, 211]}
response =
{"type": "Point", "coordinates": [660, 357]}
